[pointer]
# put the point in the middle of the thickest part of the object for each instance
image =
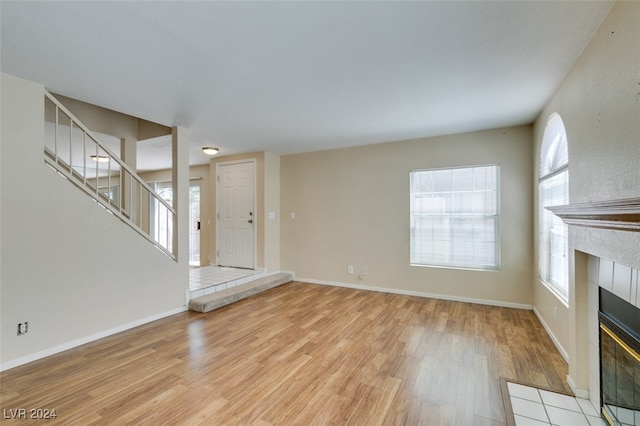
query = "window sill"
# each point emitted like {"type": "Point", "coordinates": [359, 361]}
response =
{"type": "Point", "coordinates": [457, 268]}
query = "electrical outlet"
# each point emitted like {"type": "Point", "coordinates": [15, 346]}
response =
{"type": "Point", "coordinates": [349, 269]}
{"type": "Point", "coordinates": [364, 271]}
{"type": "Point", "coordinates": [23, 327]}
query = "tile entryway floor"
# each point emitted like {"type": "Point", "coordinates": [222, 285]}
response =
{"type": "Point", "coordinates": [209, 279]}
{"type": "Point", "coordinates": [538, 407]}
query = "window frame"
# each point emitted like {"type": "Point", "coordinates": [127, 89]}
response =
{"type": "Point", "coordinates": [454, 264]}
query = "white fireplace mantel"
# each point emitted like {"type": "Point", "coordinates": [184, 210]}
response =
{"type": "Point", "coordinates": [623, 215]}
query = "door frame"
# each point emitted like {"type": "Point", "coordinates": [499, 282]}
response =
{"type": "Point", "coordinates": [256, 222]}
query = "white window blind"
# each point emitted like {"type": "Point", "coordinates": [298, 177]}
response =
{"type": "Point", "coordinates": [553, 190]}
{"type": "Point", "coordinates": [454, 217]}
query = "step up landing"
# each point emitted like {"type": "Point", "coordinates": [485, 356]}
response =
{"type": "Point", "coordinates": [222, 298]}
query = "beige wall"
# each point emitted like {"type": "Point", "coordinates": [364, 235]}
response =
{"type": "Point", "coordinates": [272, 216]}
{"type": "Point", "coordinates": [197, 174]}
{"type": "Point", "coordinates": [69, 268]}
{"type": "Point", "coordinates": [148, 130]}
{"type": "Point", "coordinates": [102, 120]}
{"type": "Point", "coordinates": [111, 122]}
{"type": "Point", "coordinates": [599, 102]}
{"type": "Point", "coordinates": [352, 208]}
{"type": "Point", "coordinates": [105, 121]}
{"type": "Point", "coordinates": [128, 129]}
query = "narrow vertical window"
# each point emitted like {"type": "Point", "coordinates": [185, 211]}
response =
{"type": "Point", "coordinates": [194, 224]}
{"type": "Point", "coordinates": [161, 223]}
{"type": "Point", "coordinates": [454, 217]}
{"type": "Point", "coordinates": [553, 190]}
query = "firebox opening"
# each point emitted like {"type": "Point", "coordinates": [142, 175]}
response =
{"type": "Point", "coordinates": [619, 360]}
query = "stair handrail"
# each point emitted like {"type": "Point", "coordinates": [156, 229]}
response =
{"type": "Point", "coordinates": [77, 123]}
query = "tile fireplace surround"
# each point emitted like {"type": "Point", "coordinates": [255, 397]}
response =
{"type": "Point", "coordinates": [619, 279]}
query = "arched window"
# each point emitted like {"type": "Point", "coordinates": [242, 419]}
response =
{"type": "Point", "coordinates": [553, 190]}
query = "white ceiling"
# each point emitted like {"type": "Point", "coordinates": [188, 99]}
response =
{"type": "Point", "coordinates": [290, 77]}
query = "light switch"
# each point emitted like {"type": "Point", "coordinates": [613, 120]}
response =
{"type": "Point", "coordinates": [272, 215]}
{"type": "Point", "coordinates": [293, 215]}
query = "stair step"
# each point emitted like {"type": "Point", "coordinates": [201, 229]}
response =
{"type": "Point", "coordinates": [222, 298]}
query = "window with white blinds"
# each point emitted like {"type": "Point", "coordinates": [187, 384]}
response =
{"type": "Point", "coordinates": [553, 190]}
{"type": "Point", "coordinates": [454, 217]}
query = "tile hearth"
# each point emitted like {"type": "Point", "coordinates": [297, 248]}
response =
{"type": "Point", "coordinates": [538, 407]}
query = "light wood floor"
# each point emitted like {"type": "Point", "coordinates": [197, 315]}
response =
{"type": "Point", "coordinates": [299, 354]}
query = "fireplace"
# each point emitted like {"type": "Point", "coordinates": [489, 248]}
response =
{"type": "Point", "coordinates": [606, 305]}
{"type": "Point", "coordinates": [619, 360]}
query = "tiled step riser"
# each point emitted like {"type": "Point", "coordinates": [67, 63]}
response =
{"type": "Point", "coordinates": [213, 301]}
{"type": "Point", "coordinates": [224, 286]}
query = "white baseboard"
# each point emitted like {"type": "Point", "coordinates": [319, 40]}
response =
{"type": "Point", "coordinates": [555, 341]}
{"type": "Point", "coordinates": [87, 339]}
{"type": "Point", "coordinates": [580, 393]}
{"type": "Point", "coordinates": [419, 294]}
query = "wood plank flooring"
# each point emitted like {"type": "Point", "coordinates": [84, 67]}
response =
{"type": "Point", "coordinates": [299, 354]}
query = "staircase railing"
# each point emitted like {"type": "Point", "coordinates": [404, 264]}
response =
{"type": "Point", "coordinates": [75, 153]}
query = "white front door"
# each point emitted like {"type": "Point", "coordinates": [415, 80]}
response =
{"type": "Point", "coordinates": [236, 214]}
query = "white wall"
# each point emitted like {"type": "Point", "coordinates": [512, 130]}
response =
{"type": "Point", "coordinates": [352, 208]}
{"type": "Point", "coordinates": [599, 102]}
{"type": "Point", "coordinates": [69, 268]}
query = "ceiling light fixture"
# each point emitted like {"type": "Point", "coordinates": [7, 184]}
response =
{"type": "Point", "coordinates": [210, 150]}
{"type": "Point", "coordinates": [100, 158]}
